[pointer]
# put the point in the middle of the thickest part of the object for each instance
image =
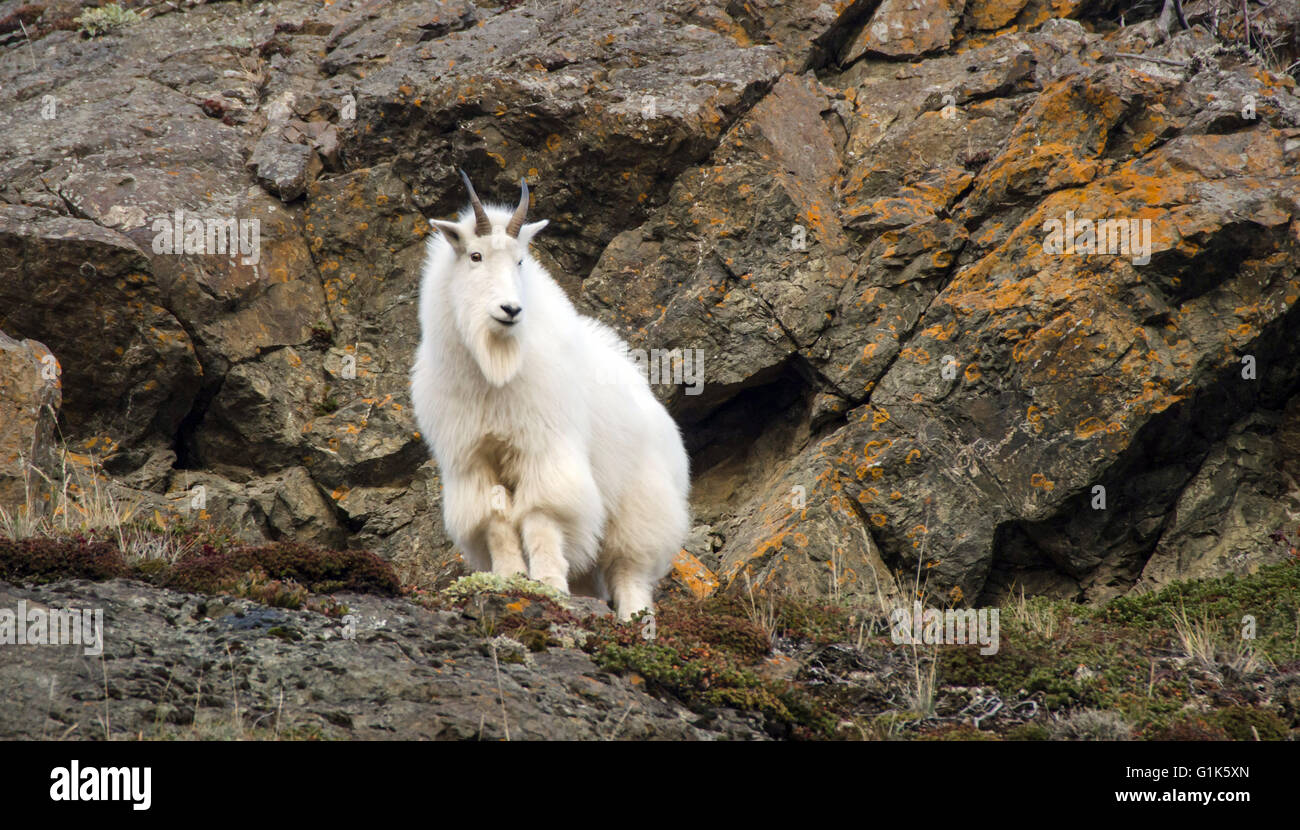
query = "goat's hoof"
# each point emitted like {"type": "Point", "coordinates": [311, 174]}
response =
{"type": "Point", "coordinates": [561, 585]}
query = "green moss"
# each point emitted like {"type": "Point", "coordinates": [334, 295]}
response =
{"type": "Point", "coordinates": [717, 622]}
{"type": "Point", "coordinates": [1270, 596]}
{"type": "Point", "coordinates": [1229, 723]}
{"type": "Point", "coordinates": [1015, 670]}
{"type": "Point", "coordinates": [818, 622]}
{"type": "Point", "coordinates": [958, 732]}
{"type": "Point", "coordinates": [1028, 732]}
{"type": "Point", "coordinates": [709, 654]}
{"type": "Point", "coordinates": [1245, 723]}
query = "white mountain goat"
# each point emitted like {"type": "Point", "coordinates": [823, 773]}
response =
{"type": "Point", "coordinates": [557, 461]}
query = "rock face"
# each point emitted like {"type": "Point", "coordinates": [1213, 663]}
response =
{"type": "Point", "coordinates": [87, 292]}
{"type": "Point", "coordinates": [184, 664]}
{"type": "Point", "coordinates": [1243, 501]}
{"type": "Point", "coordinates": [962, 292]}
{"type": "Point", "coordinates": [906, 29]}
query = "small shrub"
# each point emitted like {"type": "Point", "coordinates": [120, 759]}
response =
{"type": "Point", "coordinates": [319, 570]}
{"type": "Point", "coordinates": [708, 655]}
{"type": "Point", "coordinates": [49, 558]}
{"type": "Point", "coordinates": [259, 587]}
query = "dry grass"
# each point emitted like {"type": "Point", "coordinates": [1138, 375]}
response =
{"type": "Point", "coordinates": [79, 501]}
{"type": "Point", "coordinates": [1203, 640]}
{"type": "Point", "coordinates": [924, 664]}
{"type": "Point", "coordinates": [763, 615]}
{"type": "Point", "coordinates": [924, 667]}
{"type": "Point", "coordinates": [1091, 725]}
{"type": "Point", "coordinates": [1032, 616]}
{"type": "Point", "coordinates": [146, 545]}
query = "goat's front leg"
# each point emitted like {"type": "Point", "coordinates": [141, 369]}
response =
{"type": "Point", "coordinates": [544, 541]}
{"type": "Point", "coordinates": [504, 549]}
{"type": "Point", "coordinates": [633, 591]}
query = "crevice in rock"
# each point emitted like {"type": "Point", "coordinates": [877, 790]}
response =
{"type": "Point", "coordinates": [729, 448]}
{"type": "Point", "coordinates": [941, 281]}
{"type": "Point", "coordinates": [1180, 277]}
{"type": "Point", "coordinates": [1103, 552]}
{"type": "Point", "coordinates": [1110, 11]}
{"type": "Point", "coordinates": [184, 443]}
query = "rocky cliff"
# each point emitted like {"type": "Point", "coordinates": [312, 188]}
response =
{"type": "Point", "coordinates": [983, 292]}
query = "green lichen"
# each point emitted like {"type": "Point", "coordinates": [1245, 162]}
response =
{"type": "Point", "coordinates": [484, 582]}
{"type": "Point", "coordinates": [96, 22]}
{"type": "Point", "coordinates": [509, 650]}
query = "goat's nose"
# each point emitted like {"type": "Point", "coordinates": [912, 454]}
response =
{"type": "Point", "coordinates": [511, 309]}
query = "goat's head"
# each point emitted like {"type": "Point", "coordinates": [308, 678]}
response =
{"type": "Point", "coordinates": [488, 291]}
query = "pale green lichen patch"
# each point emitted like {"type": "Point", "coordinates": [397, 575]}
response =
{"type": "Point", "coordinates": [509, 650]}
{"type": "Point", "coordinates": [484, 582]}
{"type": "Point", "coordinates": [95, 22]}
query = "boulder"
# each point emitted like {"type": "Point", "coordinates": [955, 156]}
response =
{"type": "Point", "coordinates": [30, 395]}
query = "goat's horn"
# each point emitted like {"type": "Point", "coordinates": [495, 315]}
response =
{"type": "Point", "coordinates": [521, 212]}
{"type": "Point", "coordinates": [483, 227]}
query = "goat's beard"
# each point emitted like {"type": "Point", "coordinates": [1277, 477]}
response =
{"type": "Point", "coordinates": [498, 354]}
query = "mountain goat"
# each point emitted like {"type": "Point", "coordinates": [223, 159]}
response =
{"type": "Point", "coordinates": [557, 461]}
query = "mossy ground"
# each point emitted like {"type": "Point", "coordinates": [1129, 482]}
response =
{"type": "Point", "coordinates": [199, 560]}
{"type": "Point", "coordinates": [1171, 665]}
{"type": "Point", "coordinates": [711, 654]}
{"type": "Point", "coordinates": [1175, 664]}
{"type": "Point", "coordinates": [1167, 665]}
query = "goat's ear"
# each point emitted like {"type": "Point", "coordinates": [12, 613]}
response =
{"type": "Point", "coordinates": [527, 232]}
{"type": "Point", "coordinates": [452, 232]}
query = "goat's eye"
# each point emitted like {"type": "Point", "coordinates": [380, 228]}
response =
{"type": "Point", "coordinates": [476, 257]}
{"type": "Point", "coordinates": [521, 263]}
